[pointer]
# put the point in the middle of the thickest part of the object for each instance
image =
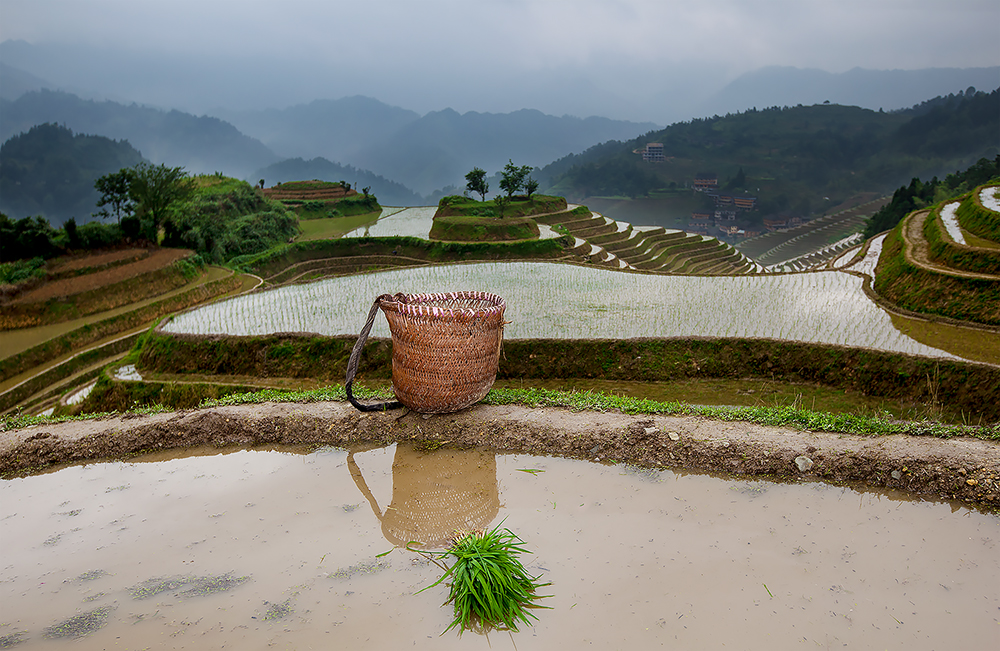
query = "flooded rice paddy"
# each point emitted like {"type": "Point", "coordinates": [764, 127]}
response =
{"type": "Point", "coordinates": [578, 302]}
{"type": "Point", "coordinates": [415, 222]}
{"type": "Point", "coordinates": [279, 548]}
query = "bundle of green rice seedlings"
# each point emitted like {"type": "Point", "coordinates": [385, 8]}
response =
{"type": "Point", "coordinates": [490, 588]}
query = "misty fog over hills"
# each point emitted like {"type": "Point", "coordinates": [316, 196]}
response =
{"type": "Point", "coordinates": [226, 84]}
{"type": "Point", "coordinates": [262, 116]}
{"type": "Point", "coordinates": [872, 89]}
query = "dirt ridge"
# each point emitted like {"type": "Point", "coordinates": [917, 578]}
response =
{"type": "Point", "coordinates": [963, 469]}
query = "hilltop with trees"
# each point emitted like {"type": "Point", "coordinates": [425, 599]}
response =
{"type": "Point", "coordinates": [49, 171]}
{"type": "Point", "coordinates": [216, 216]}
{"type": "Point", "coordinates": [801, 159]}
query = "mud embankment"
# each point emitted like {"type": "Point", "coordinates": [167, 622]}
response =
{"type": "Point", "coordinates": [962, 468]}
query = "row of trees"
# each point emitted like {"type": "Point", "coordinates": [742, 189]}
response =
{"type": "Point", "coordinates": [512, 179]}
{"type": "Point", "coordinates": [138, 197]}
{"type": "Point", "coordinates": [919, 194]}
{"type": "Point", "coordinates": [144, 191]}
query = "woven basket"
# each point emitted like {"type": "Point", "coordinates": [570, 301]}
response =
{"type": "Point", "coordinates": [445, 348]}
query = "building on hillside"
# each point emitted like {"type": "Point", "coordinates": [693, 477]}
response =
{"type": "Point", "coordinates": [725, 215]}
{"type": "Point", "coordinates": [775, 224]}
{"type": "Point", "coordinates": [653, 152]}
{"type": "Point", "coordinates": [745, 203]}
{"type": "Point", "coordinates": [706, 181]}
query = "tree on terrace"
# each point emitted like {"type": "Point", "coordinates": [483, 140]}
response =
{"type": "Point", "coordinates": [512, 178]}
{"type": "Point", "coordinates": [530, 186]}
{"type": "Point", "coordinates": [475, 181]}
{"type": "Point", "coordinates": [501, 203]}
{"type": "Point", "coordinates": [156, 187]}
{"type": "Point", "coordinates": [115, 189]}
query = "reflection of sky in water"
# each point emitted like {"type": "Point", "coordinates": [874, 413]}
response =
{"type": "Point", "coordinates": [867, 264]}
{"type": "Point", "coordinates": [988, 197]}
{"type": "Point", "coordinates": [417, 222]}
{"type": "Point", "coordinates": [577, 302]}
{"type": "Point", "coordinates": [411, 222]}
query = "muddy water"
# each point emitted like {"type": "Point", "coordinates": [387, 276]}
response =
{"type": "Point", "coordinates": [258, 549]}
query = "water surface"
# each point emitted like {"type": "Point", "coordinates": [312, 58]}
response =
{"type": "Point", "coordinates": [259, 549]}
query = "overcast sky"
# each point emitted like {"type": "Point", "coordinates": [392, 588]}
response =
{"type": "Point", "coordinates": [471, 54]}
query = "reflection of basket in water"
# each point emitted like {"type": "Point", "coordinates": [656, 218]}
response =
{"type": "Point", "coordinates": [435, 494]}
{"type": "Point", "coordinates": [445, 348]}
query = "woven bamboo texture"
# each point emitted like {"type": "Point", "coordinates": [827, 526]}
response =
{"type": "Point", "coordinates": [445, 347]}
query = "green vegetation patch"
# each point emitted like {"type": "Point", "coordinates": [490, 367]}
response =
{"type": "Point", "coordinates": [489, 586]}
{"type": "Point", "coordinates": [960, 387]}
{"type": "Point", "coordinates": [977, 219]}
{"type": "Point", "coordinates": [111, 396]}
{"type": "Point", "coordinates": [782, 416]}
{"type": "Point", "coordinates": [80, 625]}
{"type": "Point", "coordinates": [483, 229]}
{"type": "Point", "coordinates": [519, 206]}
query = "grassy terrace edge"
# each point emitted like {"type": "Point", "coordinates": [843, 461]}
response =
{"type": "Point", "coordinates": [976, 218]}
{"type": "Point", "coordinates": [957, 256]}
{"type": "Point", "coordinates": [787, 416]}
{"type": "Point", "coordinates": [917, 290]}
{"type": "Point", "coordinates": [109, 297]}
{"type": "Point", "coordinates": [280, 258]}
{"type": "Point", "coordinates": [94, 332]}
{"type": "Point", "coordinates": [962, 387]}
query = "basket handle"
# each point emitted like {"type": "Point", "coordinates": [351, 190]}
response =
{"type": "Point", "coordinates": [352, 363]}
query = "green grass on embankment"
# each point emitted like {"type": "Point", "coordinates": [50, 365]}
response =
{"type": "Point", "coordinates": [960, 387]}
{"type": "Point", "coordinates": [957, 256]}
{"type": "Point", "coordinates": [586, 401]}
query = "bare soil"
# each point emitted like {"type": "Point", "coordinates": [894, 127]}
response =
{"type": "Point", "coordinates": [90, 260]}
{"type": "Point", "coordinates": [79, 284]}
{"type": "Point", "coordinates": [917, 250]}
{"type": "Point", "coordinates": [966, 469]}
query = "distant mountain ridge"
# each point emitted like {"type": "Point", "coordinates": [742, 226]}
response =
{"type": "Point", "coordinates": [873, 89]}
{"type": "Point", "coordinates": [334, 129]}
{"type": "Point", "coordinates": [426, 152]}
{"type": "Point", "coordinates": [200, 144]}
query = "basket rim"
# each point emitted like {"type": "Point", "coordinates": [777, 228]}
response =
{"type": "Point", "coordinates": [414, 304]}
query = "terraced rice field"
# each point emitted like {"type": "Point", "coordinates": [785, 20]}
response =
{"type": "Point", "coordinates": [776, 249]}
{"type": "Point", "coordinates": [547, 300]}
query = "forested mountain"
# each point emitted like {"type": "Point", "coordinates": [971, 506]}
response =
{"type": "Point", "coordinates": [389, 193]}
{"type": "Point", "coordinates": [794, 156]}
{"type": "Point", "coordinates": [50, 171]}
{"type": "Point", "coordinates": [200, 144]}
